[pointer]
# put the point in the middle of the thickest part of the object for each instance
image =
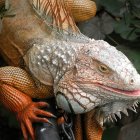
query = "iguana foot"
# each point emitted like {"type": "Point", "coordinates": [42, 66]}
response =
{"type": "Point", "coordinates": [31, 114]}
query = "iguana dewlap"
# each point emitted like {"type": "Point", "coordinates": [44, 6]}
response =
{"type": "Point", "coordinates": [83, 73]}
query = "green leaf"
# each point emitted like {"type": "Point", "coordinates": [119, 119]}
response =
{"type": "Point", "coordinates": [120, 27]}
{"type": "Point", "coordinates": [92, 28]}
{"type": "Point", "coordinates": [128, 18]}
{"type": "Point", "coordinates": [115, 7]}
{"type": "Point", "coordinates": [132, 54]}
{"type": "Point", "coordinates": [107, 23]}
{"type": "Point", "coordinates": [135, 3]}
{"type": "Point", "coordinates": [136, 23]}
{"type": "Point", "coordinates": [138, 31]}
{"type": "Point", "coordinates": [129, 35]}
{"type": "Point", "coordinates": [127, 27]}
{"type": "Point", "coordinates": [98, 26]}
{"type": "Point", "coordinates": [136, 12]}
{"type": "Point", "coordinates": [126, 32]}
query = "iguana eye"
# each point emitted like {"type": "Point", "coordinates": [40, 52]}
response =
{"type": "Point", "coordinates": [103, 68]}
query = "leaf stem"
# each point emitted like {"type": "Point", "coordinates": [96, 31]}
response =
{"type": "Point", "coordinates": [112, 39]}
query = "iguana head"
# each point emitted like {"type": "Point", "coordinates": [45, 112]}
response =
{"type": "Point", "coordinates": [102, 76]}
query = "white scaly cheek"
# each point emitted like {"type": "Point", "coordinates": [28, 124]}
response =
{"type": "Point", "coordinates": [88, 74]}
{"type": "Point", "coordinates": [113, 81]}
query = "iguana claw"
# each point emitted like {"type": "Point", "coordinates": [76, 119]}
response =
{"type": "Point", "coordinates": [29, 115]}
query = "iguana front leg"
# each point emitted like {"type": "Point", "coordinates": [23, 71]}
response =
{"type": "Point", "coordinates": [16, 90]}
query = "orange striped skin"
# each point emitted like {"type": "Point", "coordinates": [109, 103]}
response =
{"type": "Point", "coordinates": [82, 9]}
{"type": "Point", "coordinates": [93, 129]}
{"type": "Point", "coordinates": [22, 81]}
{"type": "Point", "coordinates": [87, 128]}
{"type": "Point", "coordinates": [13, 99]}
{"type": "Point", "coordinates": [78, 128]}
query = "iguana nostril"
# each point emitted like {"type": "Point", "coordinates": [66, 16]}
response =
{"type": "Point", "coordinates": [132, 81]}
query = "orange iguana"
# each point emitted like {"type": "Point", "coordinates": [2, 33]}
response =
{"type": "Point", "coordinates": [86, 75]}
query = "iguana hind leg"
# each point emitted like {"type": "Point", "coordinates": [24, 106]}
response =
{"type": "Point", "coordinates": [14, 84]}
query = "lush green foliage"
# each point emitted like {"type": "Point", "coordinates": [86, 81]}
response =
{"type": "Point", "coordinates": [125, 16]}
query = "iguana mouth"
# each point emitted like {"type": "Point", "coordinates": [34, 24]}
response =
{"type": "Point", "coordinates": [131, 93]}
{"type": "Point", "coordinates": [119, 91]}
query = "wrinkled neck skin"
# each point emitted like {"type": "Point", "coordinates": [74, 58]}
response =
{"type": "Point", "coordinates": [110, 112]}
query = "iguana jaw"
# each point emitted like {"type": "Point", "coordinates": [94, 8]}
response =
{"type": "Point", "coordinates": [67, 98]}
{"type": "Point", "coordinates": [133, 93]}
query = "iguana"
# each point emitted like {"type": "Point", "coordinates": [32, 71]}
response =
{"type": "Point", "coordinates": [86, 75]}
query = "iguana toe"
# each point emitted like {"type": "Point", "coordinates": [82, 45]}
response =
{"type": "Point", "coordinates": [32, 114]}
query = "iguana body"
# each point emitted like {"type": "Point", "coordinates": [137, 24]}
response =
{"type": "Point", "coordinates": [58, 57]}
